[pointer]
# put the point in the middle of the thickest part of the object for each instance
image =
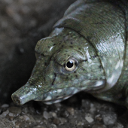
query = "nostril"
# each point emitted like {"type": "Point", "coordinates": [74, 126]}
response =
{"type": "Point", "coordinates": [27, 93]}
{"type": "Point", "coordinates": [16, 99]}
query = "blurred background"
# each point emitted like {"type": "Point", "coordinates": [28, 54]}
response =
{"type": "Point", "coordinates": [22, 24]}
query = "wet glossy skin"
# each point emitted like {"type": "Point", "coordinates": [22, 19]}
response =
{"type": "Point", "coordinates": [84, 52]}
{"type": "Point", "coordinates": [54, 81]}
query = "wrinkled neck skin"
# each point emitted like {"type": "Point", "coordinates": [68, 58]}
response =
{"type": "Point", "coordinates": [50, 81]}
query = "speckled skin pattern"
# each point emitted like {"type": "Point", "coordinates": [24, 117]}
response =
{"type": "Point", "coordinates": [87, 51]}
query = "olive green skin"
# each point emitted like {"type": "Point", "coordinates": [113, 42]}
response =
{"type": "Point", "coordinates": [93, 34]}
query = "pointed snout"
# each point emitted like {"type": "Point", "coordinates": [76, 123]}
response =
{"type": "Point", "coordinates": [24, 94]}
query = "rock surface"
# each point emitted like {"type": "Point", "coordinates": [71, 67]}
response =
{"type": "Point", "coordinates": [69, 114]}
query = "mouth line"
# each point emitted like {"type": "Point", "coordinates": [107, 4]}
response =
{"type": "Point", "coordinates": [56, 100]}
{"type": "Point", "coordinates": [59, 95]}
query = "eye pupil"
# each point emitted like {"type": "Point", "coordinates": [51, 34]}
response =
{"type": "Point", "coordinates": [69, 64]}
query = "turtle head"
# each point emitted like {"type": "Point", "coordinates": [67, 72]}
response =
{"type": "Point", "coordinates": [66, 64]}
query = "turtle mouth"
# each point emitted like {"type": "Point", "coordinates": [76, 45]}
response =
{"type": "Point", "coordinates": [48, 102]}
{"type": "Point", "coordinates": [58, 95]}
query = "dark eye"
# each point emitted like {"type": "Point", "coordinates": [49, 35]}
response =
{"type": "Point", "coordinates": [70, 65]}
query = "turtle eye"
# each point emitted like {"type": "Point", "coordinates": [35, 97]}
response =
{"type": "Point", "coordinates": [70, 65]}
